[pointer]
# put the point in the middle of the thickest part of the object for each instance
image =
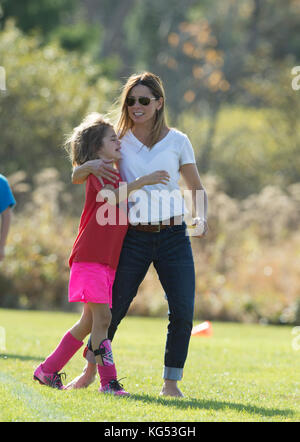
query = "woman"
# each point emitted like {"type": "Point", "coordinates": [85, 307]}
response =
{"type": "Point", "coordinates": [153, 237]}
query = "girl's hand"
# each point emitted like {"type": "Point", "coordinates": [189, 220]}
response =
{"type": "Point", "coordinates": [157, 177]}
{"type": "Point", "coordinates": [103, 169]}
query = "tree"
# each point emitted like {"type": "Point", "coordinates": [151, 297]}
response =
{"type": "Point", "coordinates": [41, 15]}
{"type": "Point", "coordinates": [49, 90]}
{"type": "Point", "coordinates": [218, 50]}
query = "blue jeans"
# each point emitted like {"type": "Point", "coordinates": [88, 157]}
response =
{"type": "Point", "coordinates": [171, 254]}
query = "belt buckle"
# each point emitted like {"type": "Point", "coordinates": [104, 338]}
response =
{"type": "Point", "coordinates": [158, 229]}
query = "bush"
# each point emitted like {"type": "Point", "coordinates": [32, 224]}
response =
{"type": "Point", "coordinates": [247, 269]}
{"type": "Point", "coordinates": [251, 148]}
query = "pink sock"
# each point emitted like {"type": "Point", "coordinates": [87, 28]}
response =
{"type": "Point", "coordinates": [106, 373]}
{"type": "Point", "coordinates": [67, 347]}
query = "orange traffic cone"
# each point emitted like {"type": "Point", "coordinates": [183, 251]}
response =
{"type": "Point", "coordinates": [203, 329]}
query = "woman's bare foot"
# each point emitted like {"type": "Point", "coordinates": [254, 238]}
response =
{"type": "Point", "coordinates": [85, 379]}
{"type": "Point", "coordinates": [170, 389]}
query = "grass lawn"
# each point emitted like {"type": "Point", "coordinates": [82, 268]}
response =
{"type": "Point", "coordinates": [242, 373]}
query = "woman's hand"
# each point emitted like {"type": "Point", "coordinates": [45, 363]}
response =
{"type": "Point", "coordinates": [100, 168]}
{"type": "Point", "coordinates": [200, 227]}
{"type": "Point", "coordinates": [157, 177]}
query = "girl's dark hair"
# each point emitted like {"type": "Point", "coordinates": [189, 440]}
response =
{"type": "Point", "coordinates": [86, 139]}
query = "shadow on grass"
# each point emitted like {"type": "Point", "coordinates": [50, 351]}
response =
{"type": "Point", "coordinates": [212, 405]}
{"type": "Point", "coordinates": [20, 357]}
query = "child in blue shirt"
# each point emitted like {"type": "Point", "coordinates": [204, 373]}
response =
{"type": "Point", "coordinates": [7, 201]}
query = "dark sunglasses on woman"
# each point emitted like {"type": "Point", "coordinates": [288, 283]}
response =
{"type": "Point", "coordinates": [144, 101]}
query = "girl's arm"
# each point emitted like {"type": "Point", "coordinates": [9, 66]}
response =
{"type": "Point", "coordinates": [5, 223]}
{"type": "Point", "coordinates": [192, 179]}
{"type": "Point", "coordinates": [100, 168]}
{"type": "Point", "coordinates": [122, 192]}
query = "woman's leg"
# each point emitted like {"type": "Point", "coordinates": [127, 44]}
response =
{"type": "Point", "coordinates": [134, 262]}
{"type": "Point", "coordinates": [175, 268]}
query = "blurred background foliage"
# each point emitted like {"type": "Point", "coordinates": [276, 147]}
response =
{"type": "Point", "coordinates": [226, 66]}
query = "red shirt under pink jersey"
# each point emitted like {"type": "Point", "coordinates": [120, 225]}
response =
{"type": "Point", "coordinates": [94, 242]}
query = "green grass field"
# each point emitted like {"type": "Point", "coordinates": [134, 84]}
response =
{"type": "Point", "coordinates": [242, 373]}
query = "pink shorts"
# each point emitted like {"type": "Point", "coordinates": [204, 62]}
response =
{"type": "Point", "coordinates": [91, 282]}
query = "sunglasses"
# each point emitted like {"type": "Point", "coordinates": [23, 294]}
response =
{"type": "Point", "coordinates": [144, 101]}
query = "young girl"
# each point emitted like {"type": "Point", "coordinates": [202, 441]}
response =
{"type": "Point", "coordinates": [94, 257]}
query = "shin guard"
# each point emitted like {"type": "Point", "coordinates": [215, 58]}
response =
{"type": "Point", "coordinates": [105, 352]}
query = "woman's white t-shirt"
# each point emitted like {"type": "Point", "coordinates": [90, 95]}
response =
{"type": "Point", "coordinates": [160, 201]}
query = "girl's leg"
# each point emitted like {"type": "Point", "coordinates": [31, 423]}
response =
{"type": "Point", "coordinates": [102, 350]}
{"type": "Point", "coordinates": [84, 326]}
{"type": "Point", "coordinates": [101, 319]}
{"type": "Point", "coordinates": [100, 344]}
{"type": "Point", "coordinates": [47, 372]}
{"type": "Point", "coordinates": [135, 259]}
{"type": "Point", "coordinates": [80, 330]}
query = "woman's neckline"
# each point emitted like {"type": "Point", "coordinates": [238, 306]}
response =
{"type": "Point", "coordinates": [163, 139]}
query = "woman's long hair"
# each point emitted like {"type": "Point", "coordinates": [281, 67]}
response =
{"type": "Point", "coordinates": [154, 83]}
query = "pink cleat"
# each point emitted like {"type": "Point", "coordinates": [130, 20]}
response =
{"type": "Point", "coordinates": [53, 380]}
{"type": "Point", "coordinates": [114, 387]}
